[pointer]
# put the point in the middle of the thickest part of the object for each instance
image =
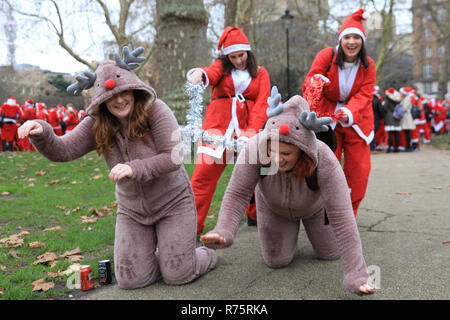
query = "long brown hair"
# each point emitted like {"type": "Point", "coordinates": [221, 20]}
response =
{"type": "Point", "coordinates": [106, 125]}
{"type": "Point", "coordinates": [252, 65]}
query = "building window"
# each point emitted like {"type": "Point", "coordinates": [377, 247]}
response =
{"type": "Point", "coordinates": [427, 71]}
{"type": "Point", "coordinates": [427, 33]}
{"type": "Point", "coordinates": [427, 87]}
{"type": "Point", "coordinates": [428, 52]}
{"type": "Point", "coordinates": [441, 51]}
{"type": "Point", "coordinates": [426, 17]}
{"type": "Point", "coordinates": [441, 14]}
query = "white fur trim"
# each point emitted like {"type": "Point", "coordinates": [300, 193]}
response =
{"type": "Point", "coordinates": [236, 47]}
{"type": "Point", "coordinates": [320, 76]}
{"type": "Point", "coordinates": [350, 31]}
{"type": "Point", "coordinates": [204, 73]}
{"type": "Point", "coordinates": [350, 117]}
{"type": "Point", "coordinates": [368, 139]}
{"type": "Point", "coordinates": [366, 15]}
{"type": "Point", "coordinates": [12, 102]}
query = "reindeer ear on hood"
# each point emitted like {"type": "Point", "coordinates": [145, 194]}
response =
{"type": "Point", "coordinates": [292, 122]}
{"type": "Point", "coordinates": [112, 77]}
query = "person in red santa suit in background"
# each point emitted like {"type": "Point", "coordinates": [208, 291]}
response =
{"type": "Point", "coordinates": [407, 122]}
{"type": "Point", "coordinates": [350, 76]}
{"type": "Point", "coordinates": [439, 116]}
{"type": "Point", "coordinates": [378, 115]}
{"type": "Point", "coordinates": [419, 121]}
{"type": "Point", "coordinates": [82, 114]}
{"type": "Point", "coordinates": [70, 119]}
{"type": "Point", "coordinates": [240, 89]}
{"type": "Point", "coordinates": [10, 113]}
{"type": "Point", "coordinates": [54, 119]}
{"type": "Point", "coordinates": [28, 113]}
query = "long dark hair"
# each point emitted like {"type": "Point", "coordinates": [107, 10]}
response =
{"type": "Point", "coordinates": [252, 65]}
{"type": "Point", "coordinates": [362, 55]}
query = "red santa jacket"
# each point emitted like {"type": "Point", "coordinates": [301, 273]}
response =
{"type": "Point", "coordinates": [358, 104]}
{"type": "Point", "coordinates": [238, 104]}
{"type": "Point", "coordinates": [10, 114]}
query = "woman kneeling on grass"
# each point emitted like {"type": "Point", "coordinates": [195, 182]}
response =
{"type": "Point", "coordinates": [134, 131]}
{"type": "Point", "coordinates": [287, 195]}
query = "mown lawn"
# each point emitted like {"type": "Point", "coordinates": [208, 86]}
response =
{"type": "Point", "coordinates": [441, 141]}
{"type": "Point", "coordinates": [37, 194]}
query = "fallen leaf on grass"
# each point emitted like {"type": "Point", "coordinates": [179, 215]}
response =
{"type": "Point", "coordinates": [98, 213]}
{"type": "Point", "coordinates": [31, 185]}
{"type": "Point", "coordinates": [46, 258]}
{"type": "Point", "coordinates": [55, 274]}
{"type": "Point", "coordinates": [85, 219]}
{"type": "Point", "coordinates": [42, 285]}
{"type": "Point", "coordinates": [53, 182]}
{"type": "Point", "coordinates": [73, 210]}
{"type": "Point", "coordinates": [75, 258]}
{"type": "Point", "coordinates": [61, 207]}
{"type": "Point", "coordinates": [2, 267]}
{"type": "Point", "coordinates": [36, 244]}
{"type": "Point", "coordinates": [52, 165]}
{"type": "Point", "coordinates": [1, 291]}
{"type": "Point", "coordinates": [40, 173]}
{"type": "Point", "coordinates": [404, 193]}
{"type": "Point", "coordinates": [75, 251]}
{"type": "Point", "coordinates": [98, 176]}
{"type": "Point", "coordinates": [12, 242]}
{"type": "Point", "coordinates": [13, 253]}
{"type": "Point", "coordinates": [5, 193]}
{"type": "Point", "coordinates": [52, 229]}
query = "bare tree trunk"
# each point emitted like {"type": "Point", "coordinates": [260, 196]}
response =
{"type": "Point", "coordinates": [387, 23]}
{"type": "Point", "coordinates": [238, 14]}
{"type": "Point", "coordinates": [181, 44]}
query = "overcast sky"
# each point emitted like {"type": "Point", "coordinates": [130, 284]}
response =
{"type": "Point", "coordinates": [36, 45]}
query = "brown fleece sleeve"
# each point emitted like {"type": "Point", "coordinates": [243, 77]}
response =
{"type": "Point", "coordinates": [336, 197]}
{"type": "Point", "coordinates": [237, 196]}
{"type": "Point", "coordinates": [68, 147]}
{"type": "Point", "coordinates": [167, 137]}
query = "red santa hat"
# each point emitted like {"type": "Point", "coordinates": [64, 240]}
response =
{"type": "Point", "coordinates": [12, 102]}
{"type": "Point", "coordinates": [405, 90]}
{"type": "Point", "coordinates": [376, 89]}
{"type": "Point", "coordinates": [389, 91]}
{"type": "Point", "coordinates": [233, 39]}
{"type": "Point", "coordinates": [353, 24]}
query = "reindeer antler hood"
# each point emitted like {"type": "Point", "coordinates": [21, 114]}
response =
{"type": "Point", "coordinates": [293, 123]}
{"type": "Point", "coordinates": [112, 77]}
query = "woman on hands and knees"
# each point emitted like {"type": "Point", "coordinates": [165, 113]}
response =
{"type": "Point", "coordinates": [133, 129]}
{"type": "Point", "coordinates": [298, 180]}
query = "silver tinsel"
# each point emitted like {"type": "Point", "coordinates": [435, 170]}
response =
{"type": "Point", "coordinates": [193, 132]}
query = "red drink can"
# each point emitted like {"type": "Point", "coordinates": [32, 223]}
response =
{"type": "Point", "coordinates": [86, 278]}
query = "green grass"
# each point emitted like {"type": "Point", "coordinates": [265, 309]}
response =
{"type": "Point", "coordinates": [441, 141]}
{"type": "Point", "coordinates": [31, 205]}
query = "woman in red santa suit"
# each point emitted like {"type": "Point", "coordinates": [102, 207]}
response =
{"type": "Point", "coordinates": [240, 89]}
{"type": "Point", "coordinates": [350, 77]}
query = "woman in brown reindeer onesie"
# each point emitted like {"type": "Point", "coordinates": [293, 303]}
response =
{"type": "Point", "coordinates": [139, 138]}
{"type": "Point", "coordinates": [285, 196]}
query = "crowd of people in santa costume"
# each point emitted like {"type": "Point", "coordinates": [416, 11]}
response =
{"type": "Point", "coordinates": [416, 117]}
{"type": "Point", "coordinates": [12, 115]}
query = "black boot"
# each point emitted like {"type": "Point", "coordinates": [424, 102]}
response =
{"type": "Point", "coordinates": [4, 145]}
{"type": "Point", "coordinates": [10, 146]}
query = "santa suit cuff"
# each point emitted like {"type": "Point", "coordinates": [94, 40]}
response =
{"type": "Point", "coordinates": [325, 79]}
{"type": "Point", "coordinates": [350, 117]}
{"type": "Point", "coordinates": [205, 82]}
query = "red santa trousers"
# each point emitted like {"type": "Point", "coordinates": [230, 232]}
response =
{"type": "Point", "coordinates": [9, 131]}
{"type": "Point", "coordinates": [204, 182]}
{"type": "Point", "coordinates": [356, 162]}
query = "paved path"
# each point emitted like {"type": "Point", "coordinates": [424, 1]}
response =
{"type": "Point", "coordinates": [404, 222]}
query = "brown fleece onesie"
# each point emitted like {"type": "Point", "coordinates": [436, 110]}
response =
{"type": "Point", "coordinates": [283, 200]}
{"type": "Point", "coordinates": [156, 205]}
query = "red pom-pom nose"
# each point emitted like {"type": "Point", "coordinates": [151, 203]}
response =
{"type": "Point", "coordinates": [110, 84]}
{"type": "Point", "coordinates": [284, 129]}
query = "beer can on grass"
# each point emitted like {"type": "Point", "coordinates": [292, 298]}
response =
{"type": "Point", "coordinates": [86, 278]}
{"type": "Point", "coordinates": [104, 272]}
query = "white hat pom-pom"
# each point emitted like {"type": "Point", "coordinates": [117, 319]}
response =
{"type": "Point", "coordinates": [366, 15]}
